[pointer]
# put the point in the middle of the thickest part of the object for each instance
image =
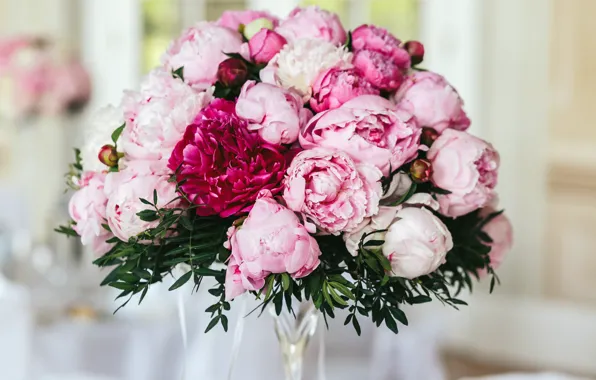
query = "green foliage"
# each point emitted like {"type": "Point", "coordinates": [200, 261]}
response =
{"type": "Point", "coordinates": [179, 73]}
{"type": "Point", "coordinates": [361, 284]}
{"type": "Point", "coordinates": [75, 170]}
{"type": "Point", "coordinates": [117, 132]}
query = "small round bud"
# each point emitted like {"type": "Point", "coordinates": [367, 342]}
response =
{"type": "Point", "coordinates": [255, 26]}
{"type": "Point", "coordinates": [421, 170]}
{"type": "Point", "coordinates": [428, 137]}
{"type": "Point", "coordinates": [416, 51]}
{"type": "Point", "coordinates": [108, 155]}
{"type": "Point", "coordinates": [232, 72]}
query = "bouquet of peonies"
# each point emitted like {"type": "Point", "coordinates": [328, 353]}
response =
{"type": "Point", "coordinates": [33, 80]}
{"type": "Point", "coordinates": [292, 160]}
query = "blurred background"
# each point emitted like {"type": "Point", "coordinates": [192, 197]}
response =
{"type": "Point", "coordinates": [524, 69]}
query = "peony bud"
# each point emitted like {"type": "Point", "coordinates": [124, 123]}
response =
{"type": "Point", "coordinates": [255, 26]}
{"type": "Point", "coordinates": [416, 51]}
{"type": "Point", "coordinates": [232, 72]}
{"type": "Point", "coordinates": [108, 155]}
{"type": "Point", "coordinates": [421, 170]}
{"type": "Point", "coordinates": [264, 45]}
{"type": "Point", "coordinates": [428, 137]}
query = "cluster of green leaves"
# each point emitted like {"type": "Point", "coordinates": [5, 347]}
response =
{"type": "Point", "coordinates": [180, 239]}
{"type": "Point", "coordinates": [75, 170]}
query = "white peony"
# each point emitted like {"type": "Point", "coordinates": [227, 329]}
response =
{"type": "Point", "coordinates": [299, 63]}
{"type": "Point", "coordinates": [98, 134]}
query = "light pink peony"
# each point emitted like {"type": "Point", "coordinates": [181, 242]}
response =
{"type": "Point", "coordinates": [264, 45]}
{"type": "Point", "coordinates": [416, 243]}
{"type": "Point", "coordinates": [313, 23]}
{"type": "Point", "coordinates": [157, 116]}
{"type": "Point", "coordinates": [380, 222]}
{"type": "Point", "coordinates": [369, 128]}
{"type": "Point", "coordinates": [233, 19]}
{"type": "Point", "coordinates": [87, 208]}
{"type": "Point", "coordinates": [329, 189]}
{"type": "Point", "coordinates": [223, 164]}
{"type": "Point", "coordinates": [467, 167]}
{"type": "Point", "coordinates": [433, 101]}
{"type": "Point", "coordinates": [200, 50]}
{"type": "Point", "coordinates": [271, 240]}
{"type": "Point", "coordinates": [499, 229]}
{"type": "Point", "coordinates": [335, 86]}
{"type": "Point", "coordinates": [379, 56]}
{"type": "Point", "coordinates": [124, 190]}
{"type": "Point", "coordinates": [277, 114]}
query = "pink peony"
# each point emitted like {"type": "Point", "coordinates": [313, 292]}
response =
{"type": "Point", "coordinates": [124, 190]}
{"type": "Point", "coordinates": [271, 240]}
{"type": "Point", "coordinates": [157, 116]}
{"type": "Point", "coordinates": [277, 114]}
{"type": "Point", "coordinates": [433, 101]}
{"type": "Point", "coordinates": [223, 164]}
{"type": "Point", "coordinates": [264, 45]}
{"type": "Point", "coordinates": [416, 243]}
{"type": "Point", "coordinates": [499, 229]}
{"type": "Point", "coordinates": [335, 86]}
{"type": "Point", "coordinates": [379, 56]}
{"type": "Point", "coordinates": [467, 167]}
{"type": "Point", "coordinates": [329, 189]}
{"type": "Point", "coordinates": [378, 70]}
{"type": "Point", "coordinates": [233, 19]}
{"type": "Point", "coordinates": [200, 50]}
{"type": "Point", "coordinates": [87, 208]}
{"type": "Point", "coordinates": [369, 129]}
{"type": "Point", "coordinates": [313, 23]}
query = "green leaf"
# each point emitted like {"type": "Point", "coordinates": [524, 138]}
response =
{"type": "Point", "coordinates": [374, 243]}
{"type": "Point", "coordinates": [144, 201]}
{"type": "Point", "coordinates": [343, 289]}
{"type": "Point", "coordinates": [356, 326]}
{"type": "Point", "coordinates": [285, 281]}
{"type": "Point", "coordinates": [116, 134]}
{"type": "Point", "coordinates": [212, 308]}
{"type": "Point", "coordinates": [326, 295]}
{"type": "Point", "coordinates": [154, 196]}
{"type": "Point", "coordinates": [181, 281]}
{"type": "Point", "coordinates": [337, 298]}
{"type": "Point", "coordinates": [224, 322]}
{"type": "Point", "coordinates": [457, 301]}
{"type": "Point", "coordinates": [216, 292]}
{"type": "Point", "coordinates": [122, 286]}
{"type": "Point", "coordinates": [390, 323]}
{"type": "Point", "coordinates": [213, 323]}
{"type": "Point", "coordinates": [208, 272]}
{"type": "Point", "coordinates": [178, 73]}
{"type": "Point", "coordinates": [399, 315]}
{"type": "Point", "coordinates": [185, 222]}
{"type": "Point", "coordinates": [419, 299]}
{"type": "Point", "coordinates": [148, 215]}
{"type": "Point", "coordinates": [407, 195]}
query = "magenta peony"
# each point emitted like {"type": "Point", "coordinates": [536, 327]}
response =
{"type": "Point", "coordinates": [369, 129]}
{"type": "Point", "coordinates": [331, 191]}
{"type": "Point", "coordinates": [277, 114]}
{"type": "Point", "coordinates": [335, 86]}
{"type": "Point", "coordinates": [264, 45]}
{"type": "Point", "coordinates": [271, 240]}
{"type": "Point", "coordinates": [199, 51]}
{"type": "Point", "coordinates": [467, 167]}
{"type": "Point", "coordinates": [433, 101]}
{"type": "Point", "coordinates": [87, 208]}
{"type": "Point", "coordinates": [313, 23]}
{"type": "Point", "coordinates": [380, 57]}
{"type": "Point", "coordinates": [223, 164]}
{"type": "Point", "coordinates": [233, 19]}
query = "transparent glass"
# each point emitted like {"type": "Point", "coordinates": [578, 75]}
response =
{"type": "Point", "coordinates": [294, 333]}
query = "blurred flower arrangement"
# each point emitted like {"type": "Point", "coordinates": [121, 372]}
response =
{"type": "Point", "coordinates": [296, 161]}
{"type": "Point", "coordinates": [34, 80]}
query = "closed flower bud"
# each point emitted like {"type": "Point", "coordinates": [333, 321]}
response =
{"type": "Point", "coordinates": [232, 72]}
{"type": "Point", "coordinates": [255, 26]}
{"type": "Point", "coordinates": [421, 170]}
{"type": "Point", "coordinates": [416, 51]}
{"type": "Point", "coordinates": [108, 155]}
{"type": "Point", "coordinates": [428, 137]}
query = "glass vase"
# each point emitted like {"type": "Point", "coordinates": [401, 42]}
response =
{"type": "Point", "coordinates": [294, 331]}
